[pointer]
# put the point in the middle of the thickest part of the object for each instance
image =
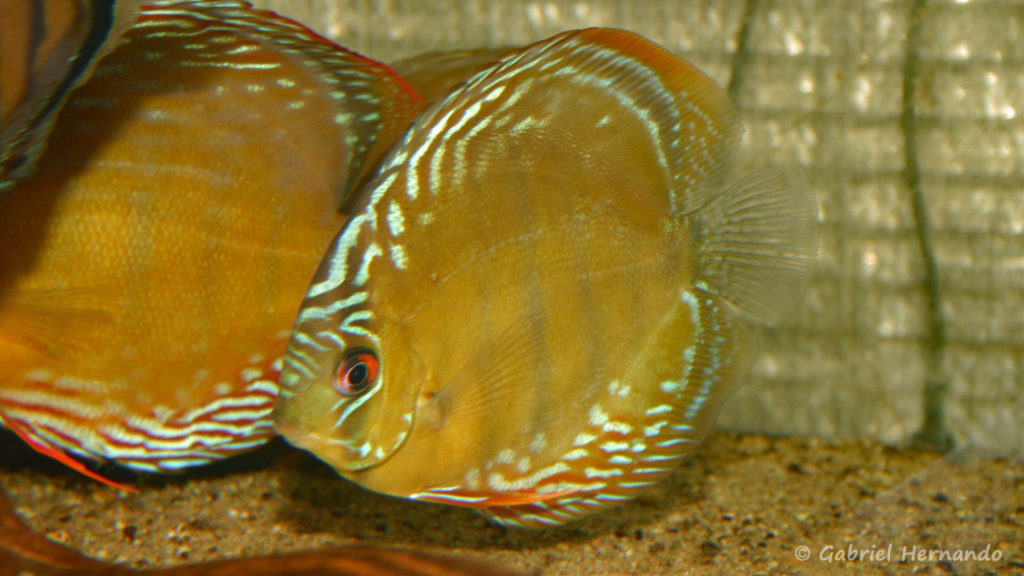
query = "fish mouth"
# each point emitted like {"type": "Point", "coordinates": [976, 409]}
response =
{"type": "Point", "coordinates": [297, 435]}
{"type": "Point", "coordinates": [292, 421]}
{"type": "Point", "coordinates": [344, 455]}
{"type": "Point", "coordinates": [339, 454]}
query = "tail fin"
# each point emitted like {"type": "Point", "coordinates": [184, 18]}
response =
{"type": "Point", "coordinates": [758, 241]}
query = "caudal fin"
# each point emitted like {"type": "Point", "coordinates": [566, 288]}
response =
{"type": "Point", "coordinates": [758, 241]}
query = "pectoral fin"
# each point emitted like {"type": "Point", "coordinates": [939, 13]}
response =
{"type": "Point", "coordinates": [52, 324]}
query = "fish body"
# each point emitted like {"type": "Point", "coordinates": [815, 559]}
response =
{"type": "Point", "coordinates": [151, 269]}
{"type": "Point", "coordinates": [541, 299]}
{"type": "Point", "coordinates": [47, 49]}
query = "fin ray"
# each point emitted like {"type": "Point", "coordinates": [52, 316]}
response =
{"type": "Point", "coordinates": [51, 323]}
{"type": "Point", "coordinates": [758, 242]}
{"type": "Point", "coordinates": [46, 449]}
{"type": "Point", "coordinates": [700, 127]}
{"type": "Point", "coordinates": [483, 381]}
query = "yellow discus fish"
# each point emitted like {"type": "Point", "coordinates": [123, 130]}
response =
{"type": "Point", "coordinates": [151, 269]}
{"type": "Point", "coordinates": [539, 302]}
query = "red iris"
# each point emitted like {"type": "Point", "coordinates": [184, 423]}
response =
{"type": "Point", "coordinates": [357, 373]}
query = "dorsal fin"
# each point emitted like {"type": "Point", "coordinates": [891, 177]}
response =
{"type": "Point", "coordinates": [627, 112]}
{"type": "Point", "coordinates": [699, 126]}
{"type": "Point", "coordinates": [372, 104]}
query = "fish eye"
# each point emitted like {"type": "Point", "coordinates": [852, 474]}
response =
{"type": "Point", "coordinates": [356, 373]}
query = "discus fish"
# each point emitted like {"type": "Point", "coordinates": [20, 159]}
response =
{"type": "Point", "coordinates": [151, 269]}
{"type": "Point", "coordinates": [47, 48]}
{"type": "Point", "coordinates": [23, 552]}
{"type": "Point", "coordinates": [542, 298]}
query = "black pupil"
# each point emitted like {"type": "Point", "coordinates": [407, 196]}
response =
{"type": "Point", "coordinates": [357, 374]}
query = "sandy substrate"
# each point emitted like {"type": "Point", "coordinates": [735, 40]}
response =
{"type": "Point", "coordinates": [745, 504]}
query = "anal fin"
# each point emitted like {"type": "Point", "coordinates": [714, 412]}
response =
{"type": "Point", "coordinates": [547, 513]}
{"type": "Point", "coordinates": [487, 500]}
{"type": "Point", "coordinates": [691, 363]}
{"type": "Point", "coordinates": [707, 366]}
{"type": "Point", "coordinates": [44, 448]}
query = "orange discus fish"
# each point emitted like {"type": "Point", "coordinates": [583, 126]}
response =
{"type": "Point", "coordinates": [47, 48]}
{"type": "Point", "coordinates": [539, 304]}
{"type": "Point", "coordinates": [151, 269]}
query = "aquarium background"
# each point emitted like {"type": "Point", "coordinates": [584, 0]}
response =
{"type": "Point", "coordinates": [908, 117]}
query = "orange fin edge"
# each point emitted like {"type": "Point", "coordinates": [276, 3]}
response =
{"type": "Point", "coordinates": [479, 499]}
{"type": "Point", "coordinates": [63, 458]}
